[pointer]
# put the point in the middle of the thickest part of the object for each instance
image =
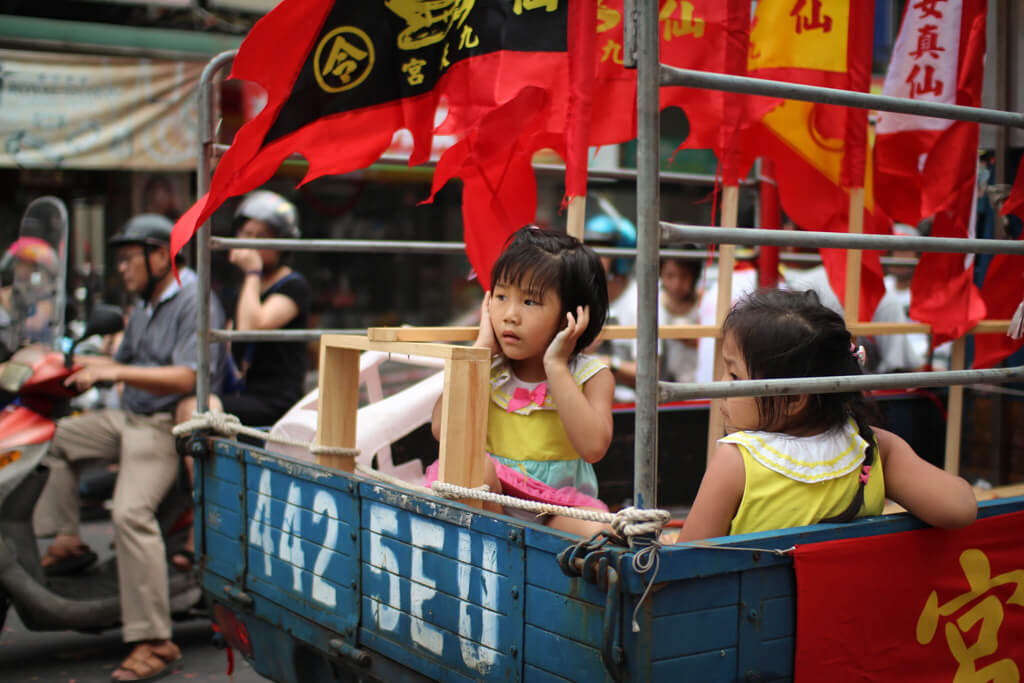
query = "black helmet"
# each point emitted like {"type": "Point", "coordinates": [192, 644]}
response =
{"type": "Point", "coordinates": [271, 208]}
{"type": "Point", "coordinates": [146, 229]}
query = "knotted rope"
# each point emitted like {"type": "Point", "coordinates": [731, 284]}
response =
{"type": "Point", "coordinates": [230, 425]}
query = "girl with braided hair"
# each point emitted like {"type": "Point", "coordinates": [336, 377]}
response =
{"type": "Point", "coordinates": [796, 460]}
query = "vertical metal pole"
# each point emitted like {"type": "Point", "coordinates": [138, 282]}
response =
{"type": "Point", "coordinates": [206, 135]}
{"type": "Point", "coordinates": [629, 32]}
{"type": "Point", "coordinates": [648, 200]}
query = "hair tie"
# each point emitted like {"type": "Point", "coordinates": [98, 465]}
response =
{"type": "Point", "coordinates": [859, 353]}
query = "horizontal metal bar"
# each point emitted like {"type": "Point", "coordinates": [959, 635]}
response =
{"type": "Point", "coordinates": [816, 258]}
{"type": "Point", "coordinates": [849, 98]}
{"type": "Point", "coordinates": [276, 335]}
{"type": "Point", "coordinates": [412, 247]}
{"type": "Point", "coordinates": [679, 391]}
{"type": "Point", "coordinates": [331, 245]}
{"type": "Point", "coordinates": [673, 232]}
{"type": "Point", "coordinates": [675, 177]}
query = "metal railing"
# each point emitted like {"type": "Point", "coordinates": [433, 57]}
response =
{"type": "Point", "coordinates": [651, 230]}
{"type": "Point", "coordinates": [642, 42]}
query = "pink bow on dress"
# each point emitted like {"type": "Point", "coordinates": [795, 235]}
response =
{"type": "Point", "coordinates": [521, 397]}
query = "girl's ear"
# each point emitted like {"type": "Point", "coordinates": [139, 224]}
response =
{"type": "Point", "coordinates": [795, 405]}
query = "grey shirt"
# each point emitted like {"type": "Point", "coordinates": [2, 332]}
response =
{"type": "Point", "coordinates": [165, 335]}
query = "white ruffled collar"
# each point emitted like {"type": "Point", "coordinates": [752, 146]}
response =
{"type": "Point", "coordinates": [808, 459]}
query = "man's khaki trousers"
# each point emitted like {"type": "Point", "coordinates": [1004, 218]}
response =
{"type": "Point", "coordinates": [149, 465]}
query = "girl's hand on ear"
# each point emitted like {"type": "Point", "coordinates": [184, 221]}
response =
{"type": "Point", "coordinates": [485, 338]}
{"type": "Point", "coordinates": [561, 347]}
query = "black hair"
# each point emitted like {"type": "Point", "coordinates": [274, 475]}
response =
{"type": "Point", "coordinates": [785, 333]}
{"type": "Point", "coordinates": [695, 266]}
{"type": "Point", "coordinates": [538, 260]}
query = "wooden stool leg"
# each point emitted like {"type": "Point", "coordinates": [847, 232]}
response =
{"type": "Point", "coordinates": [464, 424]}
{"type": "Point", "coordinates": [339, 403]}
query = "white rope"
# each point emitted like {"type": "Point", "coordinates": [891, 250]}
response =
{"type": "Point", "coordinates": [226, 423]}
{"type": "Point", "coordinates": [627, 522]}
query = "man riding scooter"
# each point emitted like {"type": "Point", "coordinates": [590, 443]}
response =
{"type": "Point", "coordinates": [156, 362]}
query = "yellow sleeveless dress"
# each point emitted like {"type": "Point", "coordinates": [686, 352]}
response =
{"type": "Point", "coordinates": [795, 481]}
{"type": "Point", "coordinates": [531, 438]}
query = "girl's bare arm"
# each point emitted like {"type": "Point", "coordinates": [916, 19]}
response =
{"type": "Point", "coordinates": [586, 415]}
{"type": "Point", "coordinates": [930, 494]}
{"type": "Point", "coordinates": [718, 497]}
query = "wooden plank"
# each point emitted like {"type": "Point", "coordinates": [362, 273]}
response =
{"type": "Point", "coordinates": [726, 262]}
{"type": "Point", "coordinates": [464, 424]}
{"type": "Point", "coordinates": [851, 302]}
{"type": "Point", "coordinates": [576, 216]}
{"type": "Point", "coordinates": [955, 409]}
{"type": "Point", "coordinates": [448, 352]}
{"type": "Point", "coordinates": [339, 402]}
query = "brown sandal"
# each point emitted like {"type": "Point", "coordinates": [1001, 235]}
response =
{"type": "Point", "coordinates": [148, 662]}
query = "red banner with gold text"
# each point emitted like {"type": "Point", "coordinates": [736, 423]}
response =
{"type": "Point", "coordinates": [924, 605]}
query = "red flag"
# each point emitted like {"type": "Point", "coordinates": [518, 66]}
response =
{"type": "Point", "coordinates": [928, 166]}
{"type": "Point", "coordinates": [706, 35]}
{"type": "Point", "coordinates": [819, 151]}
{"type": "Point", "coordinates": [551, 109]}
{"type": "Point", "coordinates": [1003, 291]}
{"type": "Point", "coordinates": [342, 77]}
{"type": "Point", "coordinates": [924, 605]}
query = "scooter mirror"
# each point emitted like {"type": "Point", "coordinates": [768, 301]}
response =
{"type": "Point", "coordinates": [104, 319]}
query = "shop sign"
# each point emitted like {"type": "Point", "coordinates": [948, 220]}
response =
{"type": "Point", "coordinates": [97, 112]}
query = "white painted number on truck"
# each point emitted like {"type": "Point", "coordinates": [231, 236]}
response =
{"type": "Point", "coordinates": [478, 646]}
{"type": "Point", "coordinates": [477, 618]}
{"type": "Point", "coordinates": [289, 548]}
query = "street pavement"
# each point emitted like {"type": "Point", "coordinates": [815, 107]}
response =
{"type": "Point", "coordinates": [69, 657]}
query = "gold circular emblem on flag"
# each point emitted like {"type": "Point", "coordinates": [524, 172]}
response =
{"type": "Point", "coordinates": [343, 59]}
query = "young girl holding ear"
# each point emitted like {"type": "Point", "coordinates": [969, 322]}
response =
{"type": "Point", "coordinates": [795, 460]}
{"type": "Point", "coordinates": [550, 410]}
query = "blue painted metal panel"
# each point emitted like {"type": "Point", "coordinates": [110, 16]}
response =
{"type": "Point", "coordinates": [755, 612]}
{"type": "Point", "coordinates": [575, 619]}
{"type": "Point", "coordinates": [223, 519]}
{"type": "Point", "coordinates": [378, 553]}
{"type": "Point", "coordinates": [436, 609]}
{"type": "Point", "coordinates": [450, 593]}
{"type": "Point", "coordinates": [695, 594]}
{"type": "Point", "coordinates": [398, 650]}
{"type": "Point", "coordinates": [224, 560]}
{"type": "Point", "coordinates": [693, 632]}
{"type": "Point", "coordinates": [226, 463]}
{"type": "Point", "coordinates": [777, 659]}
{"type": "Point", "coordinates": [717, 665]}
{"type": "Point", "coordinates": [442, 511]}
{"type": "Point", "coordinates": [535, 675]}
{"type": "Point", "coordinates": [556, 654]}
{"type": "Point", "coordinates": [778, 618]}
{"type": "Point", "coordinates": [542, 570]}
